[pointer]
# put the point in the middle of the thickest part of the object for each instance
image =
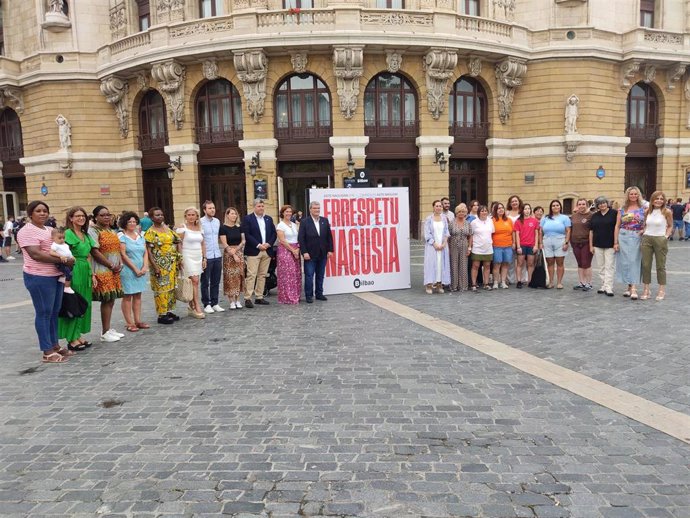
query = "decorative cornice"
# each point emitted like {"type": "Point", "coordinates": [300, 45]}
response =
{"type": "Point", "coordinates": [509, 73]}
{"type": "Point", "coordinates": [649, 74]}
{"type": "Point", "coordinates": [394, 60]}
{"type": "Point", "coordinates": [348, 68]}
{"type": "Point", "coordinates": [299, 61]}
{"type": "Point", "coordinates": [674, 74]}
{"type": "Point", "coordinates": [474, 66]}
{"type": "Point", "coordinates": [210, 69]}
{"type": "Point", "coordinates": [115, 90]}
{"type": "Point", "coordinates": [170, 76]}
{"type": "Point", "coordinates": [143, 82]}
{"type": "Point", "coordinates": [12, 97]}
{"type": "Point", "coordinates": [252, 68]}
{"type": "Point", "coordinates": [629, 70]}
{"type": "Point", "coordinates": [439, 65]}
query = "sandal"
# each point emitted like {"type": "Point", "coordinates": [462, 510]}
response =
{"type": "Point", "coordinates": [142, 325]}
{"type": "Point", "coordinates": [549, 287]}
{"type": "Point", "coordinates": [132, 328]}
{"type": "Point", "coordinates": [64, 352]}
{"type": "Point", "coordinates": [660, 296]}
{"type": "Point", "coordinates": [645, 295]}
{"type": "Point", "coordinates": [54, 357]}
{"type": "Point", "coordinates": [85, 343]}
{"type": "Point", "coordinates": [559, 287]}
{"type": "Point", "coordinates": [77, 347]}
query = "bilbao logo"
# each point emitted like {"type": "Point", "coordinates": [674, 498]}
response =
{"type": "Point", "coordinates": [358, 283]}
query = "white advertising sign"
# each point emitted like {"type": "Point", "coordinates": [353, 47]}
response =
{"type": "Point", "coordinates": [371, 238]}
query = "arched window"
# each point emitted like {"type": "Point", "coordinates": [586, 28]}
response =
{"type": "Point", "coordinates": [643, 114]}
{"type": "Point", "coordinates": [303, 108]}
{"type": "Point", "coordinates": [153, 131]}
{"type": "Point", "coordinates": [11, 147]}
{"type": "Point", "coordinates": [390, 107]}
{"type": "Point", "coordinates": [467, 109]}
{"type": "Point", "coordinates": [218, 113]}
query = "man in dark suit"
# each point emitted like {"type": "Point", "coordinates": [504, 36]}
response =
{"type": "Point", "coordinates": [316, 246]}
{"type": "Point", "coordinates": [260, 234]}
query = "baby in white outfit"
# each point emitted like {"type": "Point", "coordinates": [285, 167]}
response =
{"type": "Point", "coordinates": [61, 249]}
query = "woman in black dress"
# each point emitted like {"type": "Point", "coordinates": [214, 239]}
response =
{"type": "Point", "coordinates": [232, 244]}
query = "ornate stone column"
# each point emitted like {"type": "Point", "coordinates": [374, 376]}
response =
{"type": "Point", "coordinates": [170, 76]}
{"type": "Point", "coordinates": [115, 90]}
{"type": "Point", "coordinates": [509, 73]}
{"type": "Point", "coordinates": [252, 68]}
{"type": "Point", "coordinates": [347, 67]}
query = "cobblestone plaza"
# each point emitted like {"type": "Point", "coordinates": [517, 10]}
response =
{"type": "Point", "coordinates": [347, 408]}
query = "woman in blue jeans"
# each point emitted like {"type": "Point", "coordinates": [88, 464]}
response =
{"type": "Point", "coordinates": [41, 278]}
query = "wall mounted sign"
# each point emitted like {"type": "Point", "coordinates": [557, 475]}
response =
{"type": "Point", "coordinates": [601, 172]}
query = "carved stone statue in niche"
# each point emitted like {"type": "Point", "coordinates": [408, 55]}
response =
{"type": "Point", "coordinates": [571, 114]}
{"type": "Point", "coordinates": [504, 9]}
{"type": "Point", "coordinates": [56, 18]}
{"type": "Point", "coordinates": [64, 132]}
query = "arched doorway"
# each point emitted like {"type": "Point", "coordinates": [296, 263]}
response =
{"type": "Point", "coordinates": [643, 128]}
{"type": "Point", "coordinates": [468, 124]}
{"type": "Point", "coordinates": [302, 128]}
{"type": "Point", "coordinates": [218, 110]}
{"type": "Point", "coordinates": [11, 150]}
{"type": "Point", "coordinates": [153, 137]}
{"type": "Point", "coordinates": [391, 123]}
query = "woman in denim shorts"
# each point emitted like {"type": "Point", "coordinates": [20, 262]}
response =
{"type": "Point", "coordinates": [556, 230]}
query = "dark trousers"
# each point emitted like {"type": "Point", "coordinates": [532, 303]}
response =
{"type": "Point", "coordinates": [46, 294]}
{"type": "Point", "coordinates": [210, 281]}
{"type": "Point", "coordinates": [314, 267]}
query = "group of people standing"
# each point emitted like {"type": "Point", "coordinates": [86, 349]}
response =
{"type": "Point", "coordinates": [461, 247]}
{"type": "Point", "coordinates": [99, 261]}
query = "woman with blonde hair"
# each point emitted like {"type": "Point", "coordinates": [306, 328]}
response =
{"type": "Point", "coordinates": [193, 256]}
{"type": "Point", "coordinates": [232, 243]}
{"type": "Point", "coordinates": [629, 228]}
{"type": "Point", "coordinates": [460, 247]}
{"type": "Point", "coordinates": [658, 227]}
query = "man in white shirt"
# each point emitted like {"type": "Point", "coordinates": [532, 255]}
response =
{"type": "Point", "coordinates": [7, 238]}
{"type": "Point", "coordinates": [210, 277]}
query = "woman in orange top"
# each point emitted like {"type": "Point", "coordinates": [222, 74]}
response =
{"type": "Point", "coordinates": [503, 245]}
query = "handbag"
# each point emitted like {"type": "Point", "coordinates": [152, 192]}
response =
{"type": "Point", "coordinates": [184, 291]}
{"type": "Point", "coordinates": [73, 305]}
{"type": "Point", "coordinates": [540, 275]}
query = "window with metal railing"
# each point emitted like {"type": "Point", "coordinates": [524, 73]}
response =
{"type": "Point", "coordinates": [390, 107]}
{"type": "Point", "coordinates": [467, 110]}
{"type": "Point", "coordinates": [153, 131]}
{"type": "Point", "coordinates": [642, 114]}
{"type": "Point", "coordinates": [218, 113]}
{"type": "Point", "coordinates": [303, 109]}
{"type": "Point", "coordinates": [11, 146]}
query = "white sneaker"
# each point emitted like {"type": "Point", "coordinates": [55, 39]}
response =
{"type": "Point", "coordinates": [504, 286]}
{"type": "Point", "coordinates": [232, 305]}
{"type": "Point", "coordinates": [10, 258]}
{"type": "Point", "coordinates": [218, 309]}
{"type": "Point", "coordinates": [238, 305]}
{"type": "Point", "coordinates": [115, 333]}
{"type": "Point", "coordinates": [208, 309]}
{"type": "Point", "coordinates": [69, 290]}
{"type": "Point", "coordinates": [107, 337]}
{"type": "Point", "coordinates": [495, 285]}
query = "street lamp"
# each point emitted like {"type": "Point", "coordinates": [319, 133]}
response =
{"type": "Point", "coordinates": [255, 163]}
{"type": "Point", "coordinates": [440, 159]}
{"type": "Point", "coordinates": [350, 163]}
{"type": "Point", "coordinates": [174, 165]}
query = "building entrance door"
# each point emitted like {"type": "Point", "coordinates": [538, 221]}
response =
{"type": "Point", "coordinates": [225, 186]}
{"type": "Point", "coordinates": [158, 192]}
{"type": "Point", "coordinates": [398, 173]}
{"type": "Point", "coordinates": [641, 172]}
{"type": "Point", "coordinates": [467, 181]}
{"type": "Point", "coordinates": [299, 177]}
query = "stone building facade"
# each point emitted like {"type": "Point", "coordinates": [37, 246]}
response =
{"type": "Point", "coordinates": [543, 98]}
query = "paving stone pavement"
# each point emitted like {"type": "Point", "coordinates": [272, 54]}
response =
{"type": "Point", "coordinates": [332, 409]}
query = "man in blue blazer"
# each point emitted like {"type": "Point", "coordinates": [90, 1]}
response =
{"type": "Point", "coordinates": [260, 234]}
{"type": "Point", "coordinates": [316, 246]}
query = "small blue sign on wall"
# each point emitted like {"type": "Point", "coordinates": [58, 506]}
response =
{"type": "Point", "coordinates": [601, 172]}
{"type": "Point", "coordinates": [44, 190]}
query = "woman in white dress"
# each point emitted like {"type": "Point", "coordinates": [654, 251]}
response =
{"type": "Point", "coordinates": [193, 256]}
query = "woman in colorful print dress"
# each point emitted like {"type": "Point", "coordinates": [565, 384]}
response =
{"type": "Point", "coordinates": [162, 247]}
{"type": "Point", "coordinates": [80, 243]}
{"type": "Point", "coordinates": [289, 269]}
{"type": "Point", "coordinates": [232, 242]}
{"type": "Point", "coordinates": [106, 269]}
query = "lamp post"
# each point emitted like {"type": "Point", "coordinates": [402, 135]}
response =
{"type": "Point", "coordinates": [174, 165]}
